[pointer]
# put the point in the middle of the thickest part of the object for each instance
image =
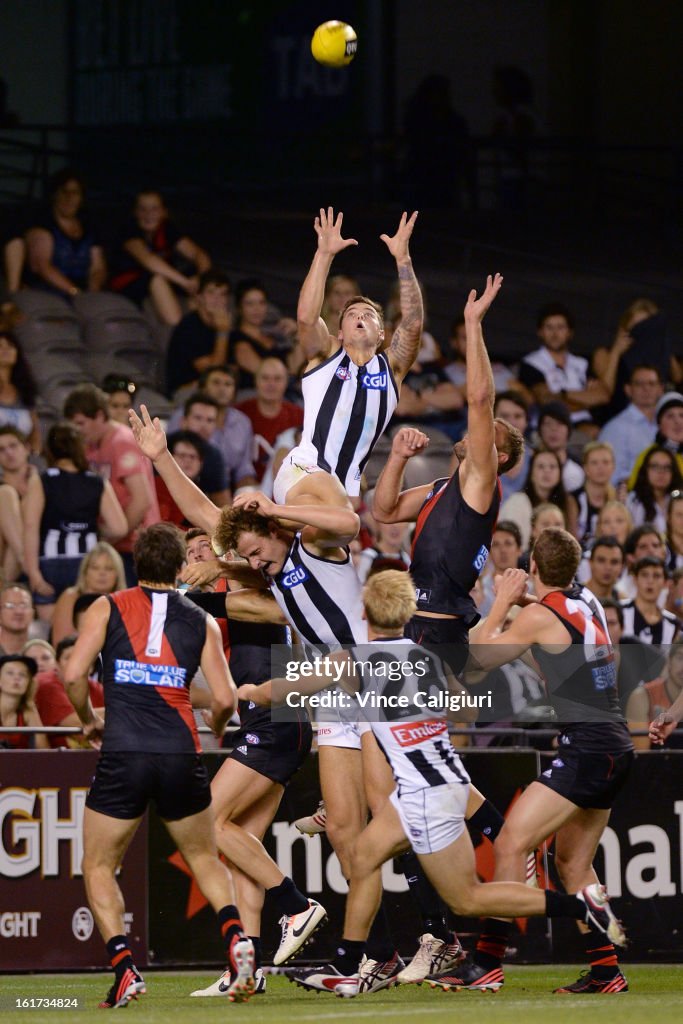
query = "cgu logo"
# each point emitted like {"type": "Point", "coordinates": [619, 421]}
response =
{"type": "Point", "coordinates": [28, 843]}
{"type": "Point", "coordinates": [295, 577]}
{"type": "Point", "coordinates": [375, 381]}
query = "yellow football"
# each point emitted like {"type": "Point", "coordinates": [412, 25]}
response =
{"type": "Point", "coordinates": [334, 44]}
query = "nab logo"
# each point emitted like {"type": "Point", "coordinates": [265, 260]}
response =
{"type": "Point", "coordinates": [294, 578]}
{"type": "Point", "coordinates": [343, 373]}
{"type": "Point", "coordinates": [480, 558]}
{"type": "Point", "coordinates": [375, 381]}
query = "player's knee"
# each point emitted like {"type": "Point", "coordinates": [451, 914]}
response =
{"type": "Point", "coordinates": [464, 902]}
{"type": "Point", "coordinates": [509, 844]}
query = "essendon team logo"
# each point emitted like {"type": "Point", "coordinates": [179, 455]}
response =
{"type": "Point", "coordinates": [410, 734]}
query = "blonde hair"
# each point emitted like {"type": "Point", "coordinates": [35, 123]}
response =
{"type": "Point", "coordinates": [38, 642]}
{"type": "Point", "coordinates": [607, 507]}
{"type": "Point", "coordinates": [637, 306]}
{"type": "Point", "coordinates": [389, 599]}
{"type": "Point", "coordinates": [101, 548]}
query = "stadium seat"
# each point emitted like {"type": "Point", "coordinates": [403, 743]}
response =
{"type": "Point", "coordinates": [40, 305]}
{"type": "Point", "coordinates": [105, 306]}
{"type": "Point", "coordinates": [39, 337]}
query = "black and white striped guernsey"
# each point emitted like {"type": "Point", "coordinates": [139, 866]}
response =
{"type": "Point", "coordinates": [321, 599]}
{"type": "Point", "coordinates": [659, 633]}
{"type": "Point", "coordinates": [347, 408]}
{"type": "Point", "coordinates": [68, 526]}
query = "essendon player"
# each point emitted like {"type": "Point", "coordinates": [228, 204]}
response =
{"type": "Point", "coordinates": [152, 642]}
{"type": "Point", "coordinates": [566, 631]}
{"type": "Point", "coordinates": [428, 805]}
{"type": "Point", "coordinates": [455, 519]}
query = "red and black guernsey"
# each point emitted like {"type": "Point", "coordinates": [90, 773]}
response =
{"type": "Point", "coordinates": [150, 655]}
{"type": "Point", "coordinates": [581, 680]}
{"type": "Point", "coordinates": [450, 547]}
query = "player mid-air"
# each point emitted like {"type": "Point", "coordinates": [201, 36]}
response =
{"type": "Point", "coordinates": [350, 386]}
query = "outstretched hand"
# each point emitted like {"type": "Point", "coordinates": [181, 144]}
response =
{"type": "Point", "coordinates": [329, 234]}
{"type": "Point", "coordinates": [661, 728]}
{"type": "Point", "coordinates": [398, 244]}
{"type": "Point", "coordinates": [148, 433]}
{"type": "Point", "coordinates": [511, 585]}
{"type": "Point", "coordinates": [408, 441]}
{"type": "Point", "coordinates": [477, 308]}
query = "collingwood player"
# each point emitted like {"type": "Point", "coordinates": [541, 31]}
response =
{"type": "Point", "coordinates": [350, 387]}
{"type": "Point", "coordinates": [428, 804]}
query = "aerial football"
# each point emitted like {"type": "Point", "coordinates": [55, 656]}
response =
{"type": "Point", "coordinates": [334, 44]}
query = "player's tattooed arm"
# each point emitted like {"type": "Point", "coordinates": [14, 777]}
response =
{"type": "Point", "coordinates": [405, 343]}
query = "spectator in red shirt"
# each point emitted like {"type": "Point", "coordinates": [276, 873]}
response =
{"type": "Point", "coordinates": [54, 707]}
{"type": "Point", "coordinates": [268, 411]}
{"type": "Point", "coordinates": [114, 455]}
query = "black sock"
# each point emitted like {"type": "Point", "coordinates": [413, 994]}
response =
{"type": "Point", "coordinates": [431, 906]}
{"type": "Point", "coordinates": [559, 904]}
{"type": "Point", "coordinates": [488, 820]}
{"type": "Point", "coordinates": [601, 955]}
{"type": "Point", "coordinates": [120, 956]}
{"type": "Point", "coordinates": [231, 928]}
{"type": "Point", "coordinates": [349, 956]}
{"type": "Point", "coordinates": [492, 943]}
{"type": "Point", "coordinates": [288, 898]}
{"type": "Point", "coordinates": [381, 945]}
{"type": "Point", "coordinates": [256, 943]}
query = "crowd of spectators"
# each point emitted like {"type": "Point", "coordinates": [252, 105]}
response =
{"type": "Point", "coordinates": [604, 454]}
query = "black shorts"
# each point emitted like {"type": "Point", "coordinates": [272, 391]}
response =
{"type": "Point", "coordinates": [447, 638]}
{"type": "Point", "coordinates": [274, 749]}
{"type": "Point", "coordinates": [589, 780]}
{"type": "Point", "coordinates": [125, 782]}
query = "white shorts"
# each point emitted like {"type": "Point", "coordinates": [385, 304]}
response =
{"type": "Point", "coordinates": [432, 818]}
{"type": "Point", "coordinates": [294, 468]}
{"type": "Point", "coordinates": [342, 734]}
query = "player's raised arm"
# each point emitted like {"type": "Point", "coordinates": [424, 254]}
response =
{"type": "Point", "coordinates": [193, 503]}
{"type": "Point", "coordinates": [405, 343]}
{"type": "Point", "coordinates": [315, 339]}
{"type": "Point", "coordinates": [482, 459]}
{"type": "Point", "coordinates": [390, 504]}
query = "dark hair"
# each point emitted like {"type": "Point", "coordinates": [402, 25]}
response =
{"type": "Point", "coordinates": [114, 382]}
{"type": "Point", "coordinates": [674, 498]}
{"type": "Point", "coordinates": [86, 400]}
{"type": "Point", "coordinates": [230, 371]}
{"type": "Point", "coordinates": [646, 562]}
{"type": "Point", "coordinates": [554, 309]}
{"type": "Point", "coordinates": [645, 366]}
{"type": "Point", "coordinates": [187, 437]}
{"type": "Point", "coordinates": [557, 555]}
{"type": "Point", "coordinates": [64, 645]}
{"type": "Point", "coordinates": [248, 284]}
{"type": "Point", "coordinates": [9, 428]}
{"type": "Point", "coordinates": [21, 375]}
{"type": "Point", "coordinates": [507, 526]}
{"type": "Point", "coordinates": [368, 302]}
{"type": "Point", "coordinates": [511, 396]}
{"type": "Point", "coordinates": [63, 441]}
{"type": "Point", "coordinates": [384, 562]}
{"type": "Point", "coordinates": [61, 178]}
{"type": "Point", "coordinates": [558, 495]}
{"type": "Point", "coordinates": [159, 553]}
{"type": "Point", "coordinates": [513, 448]}
{"type": "Point", "coordinates": [635, 535]}
{"type": "Point", "coordinates": [609, 602]}
{"type": "Point", "coordinates": [194, 532]}
{"type": "Point", "coordinates": [605, 541]}
{"type": "Point", "coordinates": [214, 276]}
{"type": "Point", "coordinates": [642, 487]}
{"type": "Point", "coordinates": [199, 398]}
